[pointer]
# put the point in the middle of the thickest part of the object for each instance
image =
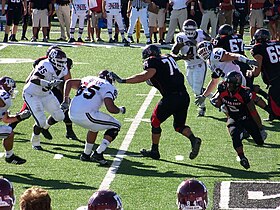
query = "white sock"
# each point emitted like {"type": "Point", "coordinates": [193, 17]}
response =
{"type": "Point", "coordinates": [9, 153]}
{"type": "Point", "coordinates": [35, 140]}
{"type": "Point", "coordinates": [88, 148]}
{"type": "Point", "coordinates": [102, 147]}
{"type": "Point", "coordinates": [47, 126]}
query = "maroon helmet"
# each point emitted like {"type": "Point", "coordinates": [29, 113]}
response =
{"type": "Point", "coordinates": [7, 198]}
{"type": "Point", "coordinates": [192, 194]}
{"type": "Point", "coordinates": [105, 74]}
{"type": "Point", "coordinates": [105, 200]}
{"type": "Point", "coordinates": [8, 84]}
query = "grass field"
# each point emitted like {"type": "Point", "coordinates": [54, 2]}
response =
{"type": "Point", "coordinates": [142, 183]}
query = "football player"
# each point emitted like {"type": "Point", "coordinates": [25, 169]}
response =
{"type": "Point", "coordinates": [7, 89]}
{"type": "Point", "coordinates": [92, 92]}
{"type": "Point", "coordinates": [241, 111]}
{"type": "Point", "coordinates": [240, 15]}
{"type": "Point", "coordinates": [231, 42]}
{"type": "Point", "coordinates": [7, 196]}
{"type": "Point", "coordinates": [38, 95]}
{"type": "Point", "coordinates": [192, 194]}
{"type": "Point", "coordinates": [220, 62]}
{"type": "Point", "coordinates": [186, 42]}
{"type": "Point", "coordinates": [103, 200]}
{"type": "Point", "coordinates": [163, 73]}
{"type": "Point", "coordinates": [266, 52]}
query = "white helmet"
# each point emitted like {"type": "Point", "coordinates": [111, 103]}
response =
{"type": "Point", "coordinates": [189, 27]}
{"type": "Point", "coordinates": [204, 50]}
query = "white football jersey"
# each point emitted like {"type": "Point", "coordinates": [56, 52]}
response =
{"type": "Point", "coordinates": [46, 69]}
{"type": "Point", "coordinates": [7, 99]}
{"type": "Point", "coordinates": [80, 5]}
{"type": "Point", "coordinates": [113, 6]}
{"type": "Point", "coordinates": [190, 46]}
{"type": "Point", "coordinates": [91, 94]}
{"type": "Point", "coordinates": [219, 67]}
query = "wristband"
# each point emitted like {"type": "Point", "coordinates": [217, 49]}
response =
{"type": "Point", "coordinates": [242, 59]}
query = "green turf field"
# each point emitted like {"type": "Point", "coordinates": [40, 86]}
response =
{"type": "Point", "coordinates": [143, 184]}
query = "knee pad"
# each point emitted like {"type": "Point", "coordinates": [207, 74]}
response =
{"type": "Point", "coordinates": [180, 129]}
{"type": "Point", "coordinates": [156, 130]}
{"type": "Point", "coordinates": [58, 115]}
{"type": "Point", "coordinates": [113, 132]}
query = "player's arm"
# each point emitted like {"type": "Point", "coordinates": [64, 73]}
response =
{"type": "Point", "coordinates": [69, 84]}
{"type": "Point", "coordinates": [227, 56]}
{"type": "Point", "coordinates": [257, 70]}
{"type": "Point", "coordinates": [111, 107]}
{"type": "Point", "coordinates": [177, 47]}
{"type": "Point", "coordinates": [212, 85]}
{"type": "Point", "coordinates": [9, 119]}
{"type": "Point", "coordinates": [137, 78]}
{"type": "Point", "coordinates": [254, 113]}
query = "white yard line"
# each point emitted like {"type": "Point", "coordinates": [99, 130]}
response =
{"type": "Point", "coordinates": [3, 46]}
{"type": "Point", "coordinates": [111, 173]}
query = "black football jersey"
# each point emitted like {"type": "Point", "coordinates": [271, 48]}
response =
{"type": "Point", "coordinates": [168, 79]}
{"type": "Point", "coordinates": [240, 4]}
{"type": "Point", "coordinates": [270, 51]}
{"type": "Point", "coordinates": [231, 43]}
{"type": "Point", "coordinates": [13, 4]}
{"type": "Point", "coordinates": [236, 104]}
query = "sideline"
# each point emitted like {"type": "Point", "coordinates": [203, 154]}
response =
{"type": "Point", "coordinates": [111, 173]}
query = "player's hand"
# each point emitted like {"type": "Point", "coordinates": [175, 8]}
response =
{"type": "Point", "coordinates": [263, 134]}
{"type": "Point", "coordinates": [199, 100]}
{"type": "Point", "coordinates": [252, 62]}
{"type": "Point", "coordinates": [55, 83]}
{"type": "Point", "coordinates": [117, 78]}
{"type": "Point", "coordinates": [122, 109]}
{"type": "Point", "coordinates": [23, 115]}
{"type": "Point", "coordinates": [64, 106]}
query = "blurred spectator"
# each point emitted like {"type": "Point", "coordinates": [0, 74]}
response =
{"type": "Point", "coordinates": [240, 15]}
{"type": "Point", "coordinates": [7, 196]}
{"type": "Point", "coordinates": [13, 15]}
{"type": "Point", "coordinates": [35, 198]}
{"type": "Point", "coordinates": [272, 11]}
{"type": "Point", "coordinates": [194, 12]}
{"type": "Point", "coordinates": [158, 20]}
{"type": "Point", "coordinates": [26, 19]}
{"type": "Point", "coordinates": [256, 17]}
{"type": "Point", "coordinates": [63, 15]}
{"type": "Point", "coordinates": [225, 15]}
{"type": "Point", "coordinates": [209, 10]}
{"type": "Point", "coordinates": [138, 9]}
{"type": "Point", "coordinates": [79, 11]}
{"type": "Point", "coordinates": [41, 10]}
{"type": "Point", "coordinates": [96, 14]}
{"type": "Point", "coordinates": [178, 15]}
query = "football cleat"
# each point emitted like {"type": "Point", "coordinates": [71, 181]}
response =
{"type": "Point", "coordinates": [46, 134]}
{"type": "Point", "coordinates": [98, 158]}
{"type": "Point", "coordinates": [15, 160]}
{"type": "Point", "coordinates": [85, 157]}
{"type": "Point", "coordinates": [80, 40]}
{"type": "Point", "coordinates": [150, 153]}
{"type": "Point", "coordinates": [71, 135]}
{"type": "Point", "coordinates": [201, 111]}
{"type": "Point", "coordinates": [195, 148]}
{"type": "Point", "coordinates": [71, 40]}
{"type": "Point", "coordinates": [37, 147]}
{"type": "Point", "coordinates": [245, 163]}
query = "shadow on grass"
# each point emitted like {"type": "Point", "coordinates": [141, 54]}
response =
{"type": "Point", "coordinates": [54, 184]}
{"type": "Point", "coordinates": [224, 119]}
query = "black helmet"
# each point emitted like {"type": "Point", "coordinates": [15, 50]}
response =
{"type": "Point", "coordinates": [225, 29]}
{"type": "Point", "coordinates": [105, 74]}
{"type": "Point", "coordinates": [233, 80]}
{"type": "Point", "coordinates": [151, 50]}
{"type": "Point", "coordinates": [262, 35]}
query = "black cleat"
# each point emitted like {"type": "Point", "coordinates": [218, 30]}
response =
{"type": "Point", "coordinates": [37, 147]}
{"type": "Point", "coordinates": [111, 40]}
{"type": "Point", "coordinates": [99, 158]}
{"type": "Point", "coordinates": [201, 112]}
{"type": "Point", "coordinates": [245, 163]}
{"type": "Point", "coordinates": [71, 40]}
{"type": "Point", "coordinates": [195, 148]}
{"type": "Point", "coordinates": [71, 135]}
{"type": "Point", "coordinates": [15, 160]}
{"type": "Point", "coordinates": [80, 40]}
{"type": "Point", "coordinates": [85, 157]}
{"type": "Point", "coordinates": [46, 134]}
{"type": "Point", "coordinates": [150, 153]}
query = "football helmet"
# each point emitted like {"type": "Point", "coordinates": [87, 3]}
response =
{"type": "Point", "coordinates": [105, 74]}
{"type": "Point", "coordinates": [57, 58]}
{"type": "Point", "coordinates": [262, 35]}
{"type": "Point", "coordinates": [9, 85]}
{"type": "Point", "coordinates": [233, 80]}
{"type": "Point", "coordinates": [192, 194]}
{"type": "Point", "coordinates": [189, 27]}
{"type": "Point", "coordinates": [105, 200]}
{"type": "Point", "coordinates": [7, 197]}
{"type": "Point", "coordinates": [51, 48]}
{"type": "Point", "coordinates": [151, 50]}
{"type": "Point", "coordinates": [225, 29]}
{"type": "Point", "coordinates": [204, 50]}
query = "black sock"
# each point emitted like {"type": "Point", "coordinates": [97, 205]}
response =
{"type": "Point", "coordinates": [192, 139]}
{"type": "Point", "coordinates": [69, 128]}
{"type": "Point", "coordinates": [263, 94]}
{"type": "Point", "coordinates": [268, 109]}
{"type": "Point", "coordinates": [155, 147]}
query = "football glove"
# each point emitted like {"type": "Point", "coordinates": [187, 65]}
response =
{"type": "Point", "coordinates": [23, 115]}
{"type": "Point", "coordinates": [117, 78]}
{"type": "Point", "coordinates": [54, 83]}
{"type": "Point", "coordinates": [64, 106]}
{"type": "Point", "coordinates": [199, 100]}
{"type": "Point", "coordinates": [252, 62]}
{"type": "Point", "coordinates": [263, 134]}
{"type": "Point", "coordinates": [122, 109]}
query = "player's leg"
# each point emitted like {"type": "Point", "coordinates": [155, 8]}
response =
{"type": "Point", "coordinates": [82, 17]}
{"type": "Point", "coordinates": [74, 18]}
